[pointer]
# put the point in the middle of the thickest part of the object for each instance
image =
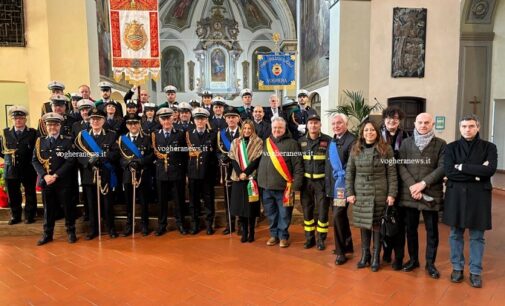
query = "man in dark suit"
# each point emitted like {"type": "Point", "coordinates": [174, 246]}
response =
{"type": "Point", "coordinates": [274, 110]}
{"type": "Point", "coordinates": [262, 127]}
{"type": "Point", "coordinates": [201, 143]}
{"type": "Point", "coordinates": [170, 163]}
{"type": "Point", "coordinates": [54, 166]}
{"type": "Point", "coordinates": [18, 144]}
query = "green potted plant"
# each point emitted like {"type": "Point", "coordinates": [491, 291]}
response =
{"type": "Point", "coordinates": [354, 106]}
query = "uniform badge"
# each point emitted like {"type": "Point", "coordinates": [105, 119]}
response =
{"type": "Point", "coordinates": [303, 144]}
{"type": "Point", "coordinates": [323, 144]}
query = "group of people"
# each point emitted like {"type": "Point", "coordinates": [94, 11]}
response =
{"type": "Point", "coordinates": [259, 156]}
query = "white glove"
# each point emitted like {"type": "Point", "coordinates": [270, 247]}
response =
{"type": "Point", "coordinates": [134, 89]}
{"type": "Point", "coordinates": [302, 128]}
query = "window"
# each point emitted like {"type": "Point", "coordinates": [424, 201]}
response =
{"type": "Point", "coordinates": [12, 30]}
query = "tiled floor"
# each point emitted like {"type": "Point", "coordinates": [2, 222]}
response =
{"type": "Point", "coordinates": [218, 270]}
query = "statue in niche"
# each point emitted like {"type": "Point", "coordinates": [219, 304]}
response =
{"type": "Point", "coordinates": [218, 65]}
{"type": "Point", "coordinates": [173, 70]}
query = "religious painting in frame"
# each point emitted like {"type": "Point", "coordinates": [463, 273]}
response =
{"type": "Point", "coordinates": [409, 42]}
{"type": "Point", "coordinates": [315, 43]}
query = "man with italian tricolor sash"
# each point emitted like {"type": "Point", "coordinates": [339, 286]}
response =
{"type": "Point", "coordinates": [280, 174]}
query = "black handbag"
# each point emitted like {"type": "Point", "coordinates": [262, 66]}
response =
{"type": "Point", "coordinates": [389, 222]}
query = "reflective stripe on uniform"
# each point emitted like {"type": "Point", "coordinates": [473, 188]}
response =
{"type": "Point", "coordinates": [314, 157]}
{"type": "Point", "coordinates": [322, 227]}
{"type": "Point", "coordinates": [313, 176]}
{"type": "Point", "coordinates": [309, 225]}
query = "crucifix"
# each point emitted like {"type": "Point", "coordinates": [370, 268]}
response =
{"type": "Point", "coordinates": [474, 102]}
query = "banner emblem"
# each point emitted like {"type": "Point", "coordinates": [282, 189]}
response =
{"type": "Point", "coordinates": [135, 36]}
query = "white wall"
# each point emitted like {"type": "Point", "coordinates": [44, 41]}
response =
{"type": "Point", "coordinates": [440, 84]}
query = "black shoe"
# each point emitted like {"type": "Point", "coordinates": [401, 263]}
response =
{"type": "Point", "coordinates": [243, 239]}
{"type": "Point", "coordinates": [182, 230]}
{"type": "Point", "coordinates": [475, 281]}
{"type": "Point", "coordinates": [397, 265]}
{"type": "Point", "coordinates": [127, 232]}
{"type": "Point", "coordinates": [309, 243]}
{"type": "Point", "coordinates": [71, 237]}
{"type": "Point", "coordinates": [210, 230]}
{"type": "Point", "coordinates": [29, 221]}
{"type": "Point", "coordinates": [112, 234]}
{"type": "Point", "coordinates": [432, 271]}
{"type": "Point", "coordinates": [226, 231]}
{"type": "Point", "coordinates": [194, 230]}
{"type": "Point", "coordinates": [457, 276]}
{"type": "Point", "coordinates": [341, 259]}
{"type": "Point", "coordinates": [91, 236]}
{"type": "Point", "coordinates": [376, 263]}
{"type": "Point", "coordinates": [45, 239]}
{"type": "Point", "coordinates": [366, 257]}
{"type": "Point", "coordinates": [410, 265]}
{"type": "Point", "coordinates": [14, 221]}
{"type": "Point", "coordinates": [320, 245]}
{"type": "Point", "coordinates": [145, 231]}
{"type": "Point", "coordinates": [250, 238]}
{"type": "Point", "coordinates": [161, 231]}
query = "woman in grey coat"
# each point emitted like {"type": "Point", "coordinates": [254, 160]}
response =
{"type": "Point", "coordinates": [371, 184]}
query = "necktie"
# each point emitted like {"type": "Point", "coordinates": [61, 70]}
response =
{"type": "Point", "coordinates": [167, 135]}
{"type": "Point", "coordinates": [110, 121]}
{"type": "Point", "coordinates": [18, 133]}
{"type": "Point", "coordinates": [134, 138]}
{"type": "Point", "coordinates": [200, 134]}
{"type": "Point", "coordinates": [51, 142]}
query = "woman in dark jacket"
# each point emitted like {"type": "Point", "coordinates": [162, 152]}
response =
{"type": "Point", "coordinates": [393, 135]}
{"type": "Point", "coordinates": [371, 184]}
{"type": "Point", "coordinates": [245, 154]}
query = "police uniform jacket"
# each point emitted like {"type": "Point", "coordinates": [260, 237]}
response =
{"type": "Point", "coordinates": [79, 126]}
{"type": "Point", "coordinates": [106, 140]}
{"type": "Point", "coordinates": [314, 155]}
{"type": "Point", "coordinates": [149, 126]}
{"type": "Point", "coordinates": [222, 152]}
{"type": "Point", "coordinates": [202, 154]}
{"type": "Point", "coordinates": [263, 129]}
{"type": "Point", "coordinates": [57, 154]}
{"type": "Point", "coordinates": [246, 113]}
{"type": "Point", "coordinates": [143, 143]}
{"type": "Point", "coordinates": [218, 124]}
{"type": "Point", "coordinates": [184, 126]}
{"type": "Point", "coordinates": [21, 164]}
{"type": "Point", "coordinates": [175, 147]}
{"type": "Point", "coordinates": [116, 124]}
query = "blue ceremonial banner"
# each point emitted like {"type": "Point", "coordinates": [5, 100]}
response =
{"type": "Point", "coordinates": [276, 71]}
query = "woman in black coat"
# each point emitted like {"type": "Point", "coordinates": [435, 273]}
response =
{"type": "Point", "coordinates": [245, 154]}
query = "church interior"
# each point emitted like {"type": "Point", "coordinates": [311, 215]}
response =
{"type": "Point", "coordinates": [443, 57]}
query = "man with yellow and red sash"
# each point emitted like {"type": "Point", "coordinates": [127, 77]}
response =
{"type": "Point", "coordinates": [282, 154]}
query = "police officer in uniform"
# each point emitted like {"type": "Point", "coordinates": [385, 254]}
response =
{"type": "Point", "coordinates": [74, 110]}
{"type": "Point", "coordinates": [201, 143]}
{"type": "Point", "coordinates": [84, 106]}
{"type": "Point", "coordinates": [149, 123]}
{"type": "Point", "coordinates": [246, 111]}
{"type": "Point", "coordinates": [17, 150]}
{"type": "Point", "coordinates": [59, 105]}
{"type": "Point", "coordinates": [106, 89]}
{"type": "Point", "coordinates": [314, 146]}
{"type": "Point", "coordinates": [106, 142]}
{"type": "Point", "coordinates": [184, 124]}
{"type": "Point", "coordinates": [168, 144]}
{"type": "Point", "coordinates": [171, 92]}
{"type": "Point", "coordinates": [136, 155]}
{"type": "Point", "coordinates": [56, 88]}
{"type": "Point", "coordinates": [224, 139]}
{"type": "Point", "coordinates": [207, 102]}
{"type": "Point", "coordinates": [114, 121]}
{"type": "Point", "coordinates": [298, 119]}
{"type": "Point", "coordinates": [217, 121]}
{"type": "Point", "coordinates": [54, 168]}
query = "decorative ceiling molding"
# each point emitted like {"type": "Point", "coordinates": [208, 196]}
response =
{"type": "Point", "coordinates": [480, 12]}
